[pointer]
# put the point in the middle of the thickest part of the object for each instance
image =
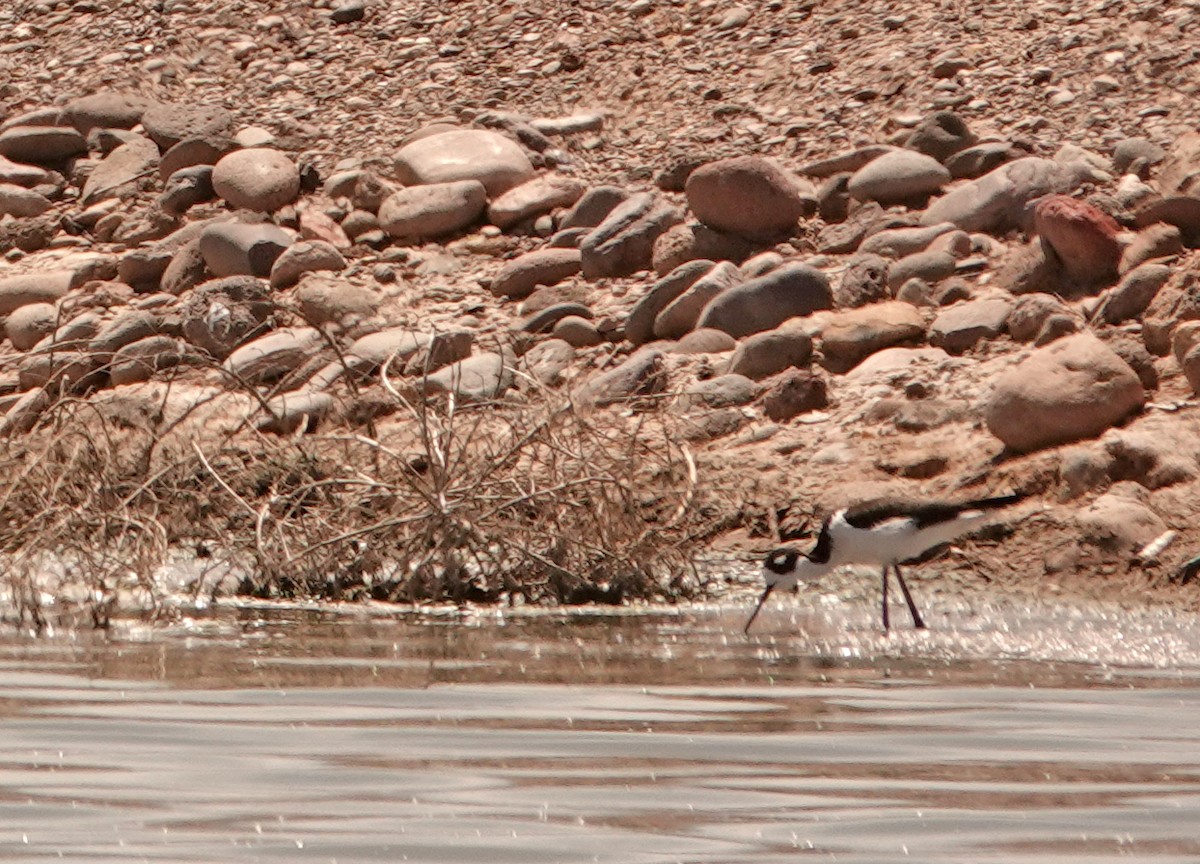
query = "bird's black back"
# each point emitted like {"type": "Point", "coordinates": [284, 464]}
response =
{"type": "Point", "coordinates": [869, 514]}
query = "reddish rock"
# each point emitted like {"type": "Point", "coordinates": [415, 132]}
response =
{"type": "Point", "coordinates": [1083, 237]}
{"type": "Point", "coordinates": [315, 225]}
{"type": "Point", "coordinates": [750, 196]}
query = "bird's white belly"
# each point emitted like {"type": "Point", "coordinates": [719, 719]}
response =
{"type": "Point", "coordinates": [893, 541]}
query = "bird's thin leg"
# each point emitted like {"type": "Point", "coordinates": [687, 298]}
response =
{"type": "Point", "coordinates": [912, 607]}
{"type": "Point", "coordinates": [886, 623]}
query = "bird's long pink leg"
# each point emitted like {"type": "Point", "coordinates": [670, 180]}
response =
{"type": "Point", "coordinates": [912, 607]}
{"type": "Point", "coordinates": [886, 623]}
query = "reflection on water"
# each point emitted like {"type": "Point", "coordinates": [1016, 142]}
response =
{"type": "Point", "coordinates": [297, 737]}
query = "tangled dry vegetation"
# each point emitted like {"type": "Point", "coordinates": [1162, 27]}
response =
{"type": "Point", "coordinates": [529, 502]}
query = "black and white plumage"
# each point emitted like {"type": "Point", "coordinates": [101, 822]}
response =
{"type": "Point", "coordinates": [885, 533]}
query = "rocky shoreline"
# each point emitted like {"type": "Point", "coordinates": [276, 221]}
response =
{"type": "Point", "coordinates": [735, 342]}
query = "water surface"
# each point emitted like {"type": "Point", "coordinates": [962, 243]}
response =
{"type": "Point", "coordinates": [264, 735]}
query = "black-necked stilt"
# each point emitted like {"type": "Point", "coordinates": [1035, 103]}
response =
{"type": "Point", "coordinates": [885, 533]}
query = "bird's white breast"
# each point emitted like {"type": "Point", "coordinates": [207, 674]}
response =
{"type": "Point", "coordinates": [894, 540]}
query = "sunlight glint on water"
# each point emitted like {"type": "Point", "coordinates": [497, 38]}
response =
{"type": "Point", "coordinates": [291, 737]}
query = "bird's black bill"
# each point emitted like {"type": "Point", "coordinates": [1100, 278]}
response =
{"type": "Point", "coordinates": [758, 608]}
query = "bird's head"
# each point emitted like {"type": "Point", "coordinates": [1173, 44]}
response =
{"type": "Point", "coordinates": [785, 567]}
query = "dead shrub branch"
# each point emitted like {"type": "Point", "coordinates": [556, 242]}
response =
{"type": "Point", "coordinates": [534, 502]}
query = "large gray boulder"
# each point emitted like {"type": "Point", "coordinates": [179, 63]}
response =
{"type": "Point", "coordinates": [790, 291]}
{"type": "Point", "coordinates": [996, 201]}
{"type": "Point", "coordinates": [898, 177]}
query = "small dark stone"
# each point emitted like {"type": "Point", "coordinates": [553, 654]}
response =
{"type": "Point", "coordinates": [833, 198]}
{"type": "Point", "coordinates": [793, 393]}
{"type": "Point", "coordinates": [864, 281]}
{"type": "Point", "coordinates": [348, 12]}
{"type": "Point", "coordinates": [674, 177]}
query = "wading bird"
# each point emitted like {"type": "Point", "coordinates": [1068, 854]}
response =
{"type": "Point", "coordinates": [884, 533]}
